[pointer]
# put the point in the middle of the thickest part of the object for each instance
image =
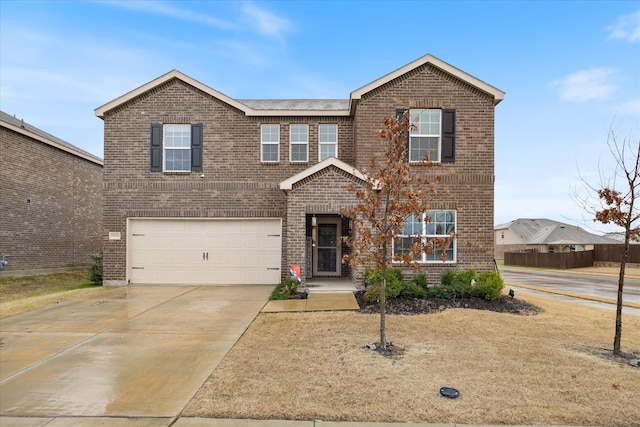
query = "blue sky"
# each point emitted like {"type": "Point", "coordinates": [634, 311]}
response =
{"type": "Point", "coordinates": [570, 70]}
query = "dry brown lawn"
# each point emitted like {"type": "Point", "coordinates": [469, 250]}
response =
{"type": "Point", "coordinates": [549, 369]}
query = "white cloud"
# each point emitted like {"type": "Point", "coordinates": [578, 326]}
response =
{"type": "Point", "coordinates": [267, 23]}
{"type": "Point", "coordinates": [162, 8]}
{"type": "Point", "coordinates": [586, 85]}
{"type": "Point", "coordinates": [627, 28]}
{"type": "Point", "coordinates": [631, 107]}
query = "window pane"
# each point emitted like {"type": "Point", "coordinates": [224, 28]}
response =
{"type": "Point", "coordinates": [328, 133]}
{"type": "Point", "coordinates": [421, 147]}
{"type": "Point", "coordinates": [299, 133]}
{"type": "Point", "coordinates": [177, 160]}
{"type": "Point", "coordinates": [427, 122]}
{"type": "Point", "coordinates": [177, 136]}
{"type": "Point", "coordinates": [270, 133]}
{"type": "Point", "coordinates": [412, 226]}
{"type": "Point", "coordinates": [269, 152]}
{"type": "Point", "coordinates": [299, 152]}
{"type": "Point", "coordinates": [327, 150]}
{"type": "Point", "coordinates": [443, 223]}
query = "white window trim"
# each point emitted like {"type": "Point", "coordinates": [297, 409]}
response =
{"type": "Point", "coordinates": [292, 143]}
{"type": "Point", "coordinates": [165, 148]}
{"type": "Point", "coordinates": [320, 144]}
{"type": "Point", "coordinates": [423, 235]}
{"type": "Point", "coordinates": [263, 143]}
{"type": "Point", "coordinates": [413, 133]}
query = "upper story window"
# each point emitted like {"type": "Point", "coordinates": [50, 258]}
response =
{"type": "Point", "coordinates": [441, 224]}
{"type": "Point", "coordinates": [424, 138]}
{"type": "Point", "coordinates": [270, 143]}
{"type": "Point", "coordinates": [433, 135]}
{"type": "Point", "coordinates": [176, 147]}
{"type": "Point", "coordinates": [327, 141]}
{"type": "Point", "coordinates": [299, 143]}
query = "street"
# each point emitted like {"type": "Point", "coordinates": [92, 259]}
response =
{"type": "Point", "coordinates": [585, 284]}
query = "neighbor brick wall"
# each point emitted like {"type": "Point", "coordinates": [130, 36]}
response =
{"type": "Point", "coordinates": [50, 203]}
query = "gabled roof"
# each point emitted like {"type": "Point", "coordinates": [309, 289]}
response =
{"type": "Point", "coordinates": [307, 107]}
{"type": "Point", "coordinates": [548, 232]}
{"type": "Point", "coordinates": [288, 184]}
{"type": "Point", "coordinates": [497, 94]}
{"type": "Point", "coordinates": [304, 107]}
{"type": "Point", "coordinates": [20, 126]}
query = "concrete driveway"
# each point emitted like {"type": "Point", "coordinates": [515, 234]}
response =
{"type": "Point", "coordinates": [138, 351]}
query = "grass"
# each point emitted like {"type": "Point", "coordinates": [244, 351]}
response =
{"type": "Point", "coordinates": [20, 294]}
{"type": "Point", "coordinates": [552, 368]}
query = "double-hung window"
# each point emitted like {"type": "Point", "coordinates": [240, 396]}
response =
{"type": "Point", "coordinates": [424, 230]}
{"type": "Point", "coordinates": [176, 147]}
{"type": "Point", "coordinates": [327, 141]}
{"type": "Point", "coordinates": [424, 137]}
{"type": "Point", "coordinates": [270, 143]}
{"type": "Point", "coordinates": [299, 143]}
{"type": "Point", "coordinates": [432, 137]}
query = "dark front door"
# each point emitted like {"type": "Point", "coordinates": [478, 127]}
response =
{"type": "Point", "coordinates": [327, 249]}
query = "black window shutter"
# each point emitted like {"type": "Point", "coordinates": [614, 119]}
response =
{"type": "Point", "coordinates": [156, 148]}
{"type": "Point", "coordinates": [399, 116]}
{"type": "Point", "coordinates": [196, 148]}
{"type": "Point", "coordinates": [448, 136]}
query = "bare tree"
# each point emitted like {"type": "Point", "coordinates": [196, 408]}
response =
{"type": "Point", "coordinates": [392, 193]}
{"type": "Point", "coordinates": [617, 203]}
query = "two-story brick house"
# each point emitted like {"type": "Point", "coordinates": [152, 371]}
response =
{"type": "Point", "coordinates": [200, 188]}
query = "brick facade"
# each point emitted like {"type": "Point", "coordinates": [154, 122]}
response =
{"type": "Point", "coordinates": [51, 200]}
{"type": "Point", "coordinates": [235, 183]}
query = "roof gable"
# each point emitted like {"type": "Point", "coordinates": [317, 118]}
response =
{"type": "Point", "coordinates": [497, 94]}
{"type": "Point", "coordinates": [288, 184]}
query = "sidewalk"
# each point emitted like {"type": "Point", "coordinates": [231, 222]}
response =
{"type": "Point", "coordinates": [208, 422]}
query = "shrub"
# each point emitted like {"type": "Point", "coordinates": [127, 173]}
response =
{"type": "Point", "coordinates": [412, 290]}
{"type": "Point", "coordinates": [95, 272]}
{"type": "Point", "coordinates": [447, 278]}
{"type": "Point", "coordinates": [284, 290]}
{"type": "Point", "coordinates": [372, 281]}
{"type": "Point", "coordinates": [440, 291]}
{"type": "Point", "coordinates": [421, 280]}
{"type": "Point", "coordinates": [490, 285]}
{"type": "Point", "coordinates": [457, 284]}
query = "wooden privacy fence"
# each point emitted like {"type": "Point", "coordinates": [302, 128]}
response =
{"type": "Point", "coordinates": [562, 260]}
{"type": "Point", "coordinates": [613, 253]}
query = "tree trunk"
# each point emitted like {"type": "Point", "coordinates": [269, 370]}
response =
{"type": "Point", "coordinates": [383, 297]}
{"type": "Point", "coordinates": [623, 262]}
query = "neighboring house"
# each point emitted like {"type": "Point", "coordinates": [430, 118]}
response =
{"type": "Point", "coordinates": [200, 188]}
{"type": "Point", "coordinates": [544, 236]}
{"type": "Point", "coordinates": [50, 201]}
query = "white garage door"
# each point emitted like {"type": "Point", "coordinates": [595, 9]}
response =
{"type": "Point", "coordinates": [200, 252]}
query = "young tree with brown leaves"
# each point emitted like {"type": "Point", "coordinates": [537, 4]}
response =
{"type": "Point", "coordinates": [393, 192]}
{"type": "Point", "coordinates": [617, 204]}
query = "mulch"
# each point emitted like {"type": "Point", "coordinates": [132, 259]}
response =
{"type": "Point", "coordinates": [504, 304]}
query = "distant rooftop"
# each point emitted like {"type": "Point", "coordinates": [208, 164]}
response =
{"type": "Point", "coordinates": [546, 231]}
{"type": "Point", "coordinates": [19, 125]}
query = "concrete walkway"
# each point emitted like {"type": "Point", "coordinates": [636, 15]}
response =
{"type": "Point", "coordinates": [316, 301]}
